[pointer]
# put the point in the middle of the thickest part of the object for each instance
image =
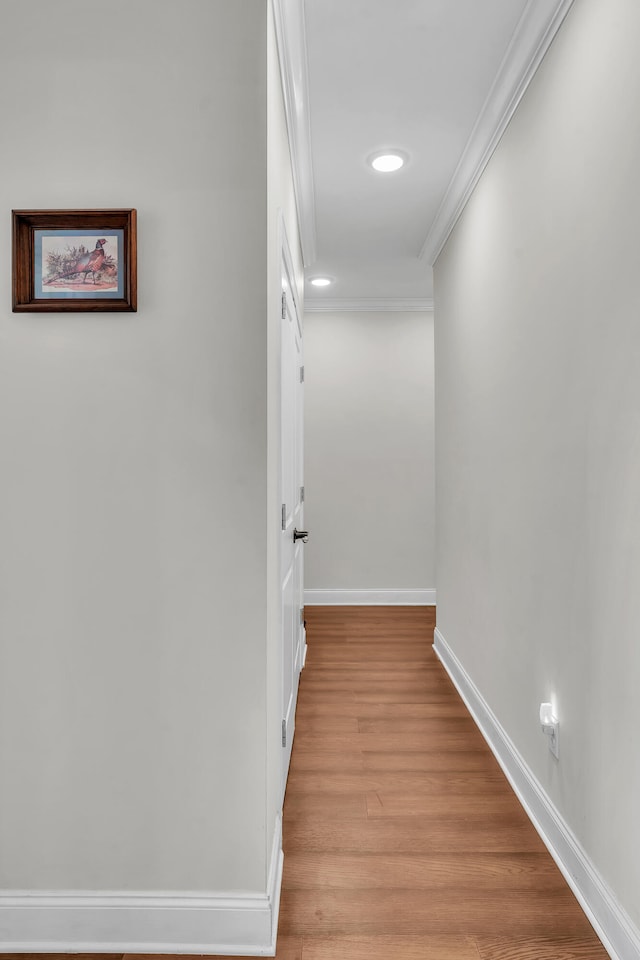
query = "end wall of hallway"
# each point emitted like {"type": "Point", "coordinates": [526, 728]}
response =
{"type": "Point", "coordinates": [369, 461]}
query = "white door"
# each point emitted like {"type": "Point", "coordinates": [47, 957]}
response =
{"type": "Point", "coordinates": [292, 507]}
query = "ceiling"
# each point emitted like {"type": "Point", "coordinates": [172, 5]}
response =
{"type": "Point", "coordinates": [438, 80]}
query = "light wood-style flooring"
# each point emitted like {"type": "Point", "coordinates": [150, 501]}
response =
{"type": "Point", "coordinates": [403, 840]}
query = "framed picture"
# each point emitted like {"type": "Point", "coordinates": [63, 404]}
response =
{"type": "Point", "coordinates": [74, 260]}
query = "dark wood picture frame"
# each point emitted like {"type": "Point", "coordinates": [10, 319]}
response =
{"type": "Point", "coordinates": [99, 274]}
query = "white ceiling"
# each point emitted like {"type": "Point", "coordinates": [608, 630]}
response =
{"type": "Point", "coordinates": [438, 79]}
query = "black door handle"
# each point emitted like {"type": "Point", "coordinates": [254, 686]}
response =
{"type": "Point", "coordinates": [300, 535]}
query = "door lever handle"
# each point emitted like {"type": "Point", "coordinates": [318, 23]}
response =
{"type": "Point", "coordinates": [300, 535]}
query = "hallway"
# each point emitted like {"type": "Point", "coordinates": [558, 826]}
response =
{"type": "Point", "coordinates": [402, 838]}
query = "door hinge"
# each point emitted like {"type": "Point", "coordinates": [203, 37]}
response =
{"type": "Point", "coordinates": [284, 305]}
{"type": "Point", "coordinates": [301, 615]}
{"type": "Point", "coordinates": [284, 516]}
{"type": "Point", "coordinates": [301, 374]}
{"type": "Point", "coordinates": [284, 733]}
{"type": "Point", "coordinates": [301, 494]}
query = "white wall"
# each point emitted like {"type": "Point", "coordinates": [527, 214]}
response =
{"type": "Point", "coordinates": [134, 457]}
{"type": "Point", "coordinates": [538, 449]}
{"type": "Point", "coordinates": [369, 474]}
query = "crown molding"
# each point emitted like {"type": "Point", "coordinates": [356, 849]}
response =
{"type": "Point", "coordinates": [291, 39]}
{"type": "Point", "coordinates": [533, 36]}
{"type": "Point", "coordinates": [380, 305]}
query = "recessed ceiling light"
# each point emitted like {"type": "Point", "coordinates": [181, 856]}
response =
{"type": "Point", "coordinates": [387, 162]}
{"type": "Point", "coordinates": [321, 282]}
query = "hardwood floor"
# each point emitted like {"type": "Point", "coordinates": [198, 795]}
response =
{"type": "Point", "coordinates": [402, 838]}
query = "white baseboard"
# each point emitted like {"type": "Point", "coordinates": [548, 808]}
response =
{"type": "Point", "coordinates": [114, 922]}
{"type": "Point", "coordinates": [618, 934]}
{"type": "Point", "coordinates": [274, 882]}
{"type": "Point", "coordinates": [413, 598]}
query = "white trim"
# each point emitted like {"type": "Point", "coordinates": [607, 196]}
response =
{"type": "Point", "coordinates": [123, 922]}
{"type": "Point", "coordinates": [365, 305]}
{"type": "Point", "coordinates": [292, 53]}
{"type": "Point", "coordinates": [533, 36]}
{"type": "Point", "coordinates": [114, 922]}
{"type": "Point", "coordinates": [274, 881]}
{"type": "Point", "coordinates": [409, 598]}
{"type": "Point", "coordinates": [287, 270]}
{"type": "Point", "coordinates": [618, 934]}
